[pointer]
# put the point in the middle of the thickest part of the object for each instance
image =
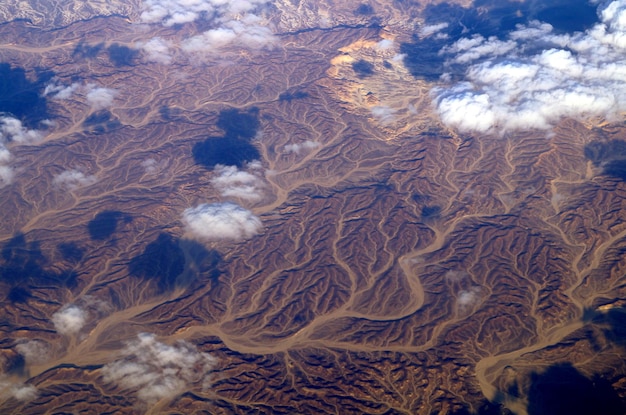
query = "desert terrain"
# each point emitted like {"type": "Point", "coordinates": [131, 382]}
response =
{"type": "Point", "coordinates": [282, 224]}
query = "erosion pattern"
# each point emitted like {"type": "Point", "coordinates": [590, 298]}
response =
{"type": "Point", "coordinates": [402, 268]}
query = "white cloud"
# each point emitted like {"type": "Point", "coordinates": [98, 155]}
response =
{"type": "Point", "coordinates": [232, 182]}
{"type": "Point", "coordinates": [221, 221]}
{"type": "Point", "coordinates": [247, 32]}
{"type": "Point", "coordinates": [428, 30]}
{"type": "Point", "coordinates": [470, 49]}
{"type": "Point", "coordinates": [383, 114]}
{"type": "Point", "coordinates": [304, 146]}
{"type": "Point", "coordinates": [19, 391]}
{"type": "Point", "coordinates": [150, 165]}
{"type": "Point", "coordinates": [100, 97]}
{"type": "Point", "coordinates": [234, 23]}
{"type": "Point", "coordinates": [466, 299]}
{"type": "Point", "coordinates": [577, 75]}
{"type": "Point", "coordinates": [73, 179]}
{"type": "Point", "coordinates": [34, 351]}
{"type": "Point", "coordinates": [157, 370]}
{"type": "Point", "coordinates": [385, 44]}
{"type": "Point", "coordinates": [12, 130]}
{"type": "Point", "coordinates": [157, 50]}
{"type": "Point", "coordinates": [56, 91]}
{"type": "Point", "coordinates": [6, 175]}
{"type": "Point", "coordinates": [69, 320]}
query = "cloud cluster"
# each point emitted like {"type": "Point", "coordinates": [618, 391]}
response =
{"type": "Point", "coordinates": [73, 179]}
{"type": "Point", "coordinates": [300, 147]}
{"type": "Point", "coordinates": [69, 320]}
{"type": "Point", "coordinates": [157, 370]}
{"type": "Point", "coordinates": [13, 131]}
{"type": "Point", "coordinates": [234, 183]}
{"type": "Point", "coordinates": [97, 97]}
{"type": "Point", "coordinates": [536, 77]}
{"type": "Point", "coordinates": [221, 221]}
{"type": "Point", "coordinates": [234, 22]}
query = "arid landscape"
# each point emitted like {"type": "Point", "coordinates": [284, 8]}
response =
{"type": "Point", "coordinates": [306, 207]}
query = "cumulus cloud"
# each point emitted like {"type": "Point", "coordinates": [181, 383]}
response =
{"type": "Point", "coordinates": [73, 179]}
{"type": "Point", "coordinates": [19, 391]}
{"type": "Point", "coordinates": [157, 50]}
{"type": "Point", "coordinates": [536, 77]}
{"type": "Point", "coordinates": [235, 23]}
{"type": "Point", "coordinates": [246, 32]}
{"type": "Point", "coordinates": [157, 370]}
{"type": "Point", "coordinates": [59, 91]}
{"type": "Point", "coordinates": [97, 97]}
{"type": "Point", "coordinates": [69, 320]}
{"type": "Point", "coordinates": [12, 131]}
{"type": "Point", "coordinates": [221, 221]}
{"type": "Point", "coordinates": [100, 97]}
{"type": "Point", "coordinates": [232, 182]}
{"type": "Point", "coordinates": [299, 147]}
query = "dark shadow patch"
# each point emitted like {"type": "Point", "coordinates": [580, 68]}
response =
{"type": "Point", "coordinates": [609, 155]}
{"type": "Point", "coordinates": [225, 151]}
{"type": "Point", "coordinates": [239, 124]}
{"type": "Point", "coordinates": [235, 147]}
{"type": "Point", "coordinates": [104, 224]}
{"type": "Point", "coordinates": [15, 365]}
{"type": "Point", "coordinates": [85, 50]}
{"type": "Point", "coordinates": [364, 10]}
{"type": "Point", "coordinates": [291, 95]}
{"type": "Point", "coordinates": [567, 16]}
{"type": "Point", "coordinates": [71, 252]}
{"type": "Point", "coordinates": [170, 262]}
{"type": "Point", "coordinates": [431, 212]}
{"type": "Point", "coordinates": [23, 263]}
{"type": "Point", "coordinates": [363, 68]}
{"type": "Point", "coordinates": [486, 18]}
{"type": "Point", "coordinates": [19, 295]}
{"type": "Point", "coordinates": [563, 390]}
{"type": "Point", "coordinates": [121, 55]}
{"type": "Point", "coordinates": [483, 408]}
{"type": "Point", "coordinates": [21, 98]}
{"type": "Point", "coordinates": [162, 261]}
{"type": "Point", "coordinates": [98, 117]}
{"type": "Point", "coordinates": [101, 122]}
